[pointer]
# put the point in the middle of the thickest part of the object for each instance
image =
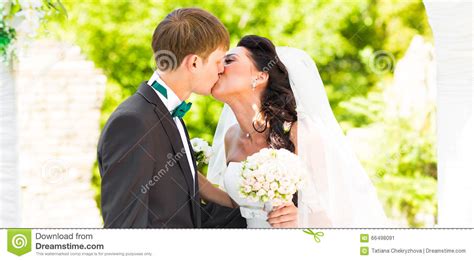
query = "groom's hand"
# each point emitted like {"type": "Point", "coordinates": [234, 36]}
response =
{"type": "Point", "coordinates": [284, 216]}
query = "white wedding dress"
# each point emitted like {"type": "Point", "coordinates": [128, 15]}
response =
{"type": "Point", "coordinates": [253, 212]}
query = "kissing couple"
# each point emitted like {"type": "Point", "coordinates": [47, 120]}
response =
{"type": "Point", "coordinates": [274, 98]}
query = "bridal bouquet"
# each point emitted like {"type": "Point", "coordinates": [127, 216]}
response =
{"type": "Point", "coordinates": [271, 176]}
{"type": "Point", "coordinates": [202, 151]}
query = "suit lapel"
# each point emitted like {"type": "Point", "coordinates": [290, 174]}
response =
{"type": "Point", "coordinates": [174, 137]}
{"type": "Point", "coordinates": [178, 147]}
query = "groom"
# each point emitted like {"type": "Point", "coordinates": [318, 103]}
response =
{"type": "Point", "coordinates": [148, 170]}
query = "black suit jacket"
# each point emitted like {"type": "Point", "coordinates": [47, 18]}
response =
{"type": "Point", "coordinates": [146, 178]}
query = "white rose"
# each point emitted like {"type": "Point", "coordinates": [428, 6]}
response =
{"type": "Point", "coordinates": [266, 185]}
{"type": "Point", "coordinates": [251, 181]}
{"type": "Point", "coordinates": [282, 190]}
{"type": "Point", "coordinates": [271, 194]}
{"type": "Point", "coordinates": [247, 189]}
{"type": "Point", "coordinates": [270, 177]}
{"type": "Point", "coordinates": [247, 173]}
{"type": "Point", "coordinates": [292, 189]}
{"type": "Point", "coordinates": [195, 143]}
{"type": "Point", "coordinates": [278, 175]}
{"type": "Point", "coordinates": [273, 186]}
{"type": "Point", "coordinates": [261, 192]}
{"type": "Point", "coordinates": [251, 166]}
{"type": "Point", "coordinates": [199, 144]}
{"type": "Point", "coordinates": [284, 185]}
{"type": "Point", "coordinates": [198, 148]}
{"type": "Point", "coordinates": [208, 152]}
{"type": "Point", "coordinates": [257, 186]}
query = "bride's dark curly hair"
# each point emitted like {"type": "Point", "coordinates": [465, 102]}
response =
{"type": "Point", "coordinates": [277, 101]}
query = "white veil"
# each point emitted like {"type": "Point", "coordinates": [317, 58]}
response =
{"type": "Point", "coordinates": [337, 187]}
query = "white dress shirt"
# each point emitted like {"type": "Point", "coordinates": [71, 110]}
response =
{"type": "Point", "coordinates": [171, 103]}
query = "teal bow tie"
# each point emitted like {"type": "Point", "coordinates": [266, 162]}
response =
{"type": "Point", "coordinates": [179, 111]}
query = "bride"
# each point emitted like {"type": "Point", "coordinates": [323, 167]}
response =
{"type": "Point", "coordinates": [275, 99]}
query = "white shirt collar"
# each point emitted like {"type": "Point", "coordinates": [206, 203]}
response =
{"type": "Point", "coordinates": [172, 101]}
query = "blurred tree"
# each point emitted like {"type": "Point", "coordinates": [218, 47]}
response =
{"type": "Point", "coordinates": [340, 36]}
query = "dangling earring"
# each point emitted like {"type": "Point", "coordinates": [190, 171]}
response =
{"type": "Point", "coordinates": [254, 84]}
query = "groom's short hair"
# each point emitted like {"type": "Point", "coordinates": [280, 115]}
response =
{"type": "Point", "coordinates": [189, 31]}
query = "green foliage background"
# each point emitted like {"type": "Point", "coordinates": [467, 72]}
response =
{"type": "Point", "coordinates": [339, 35]}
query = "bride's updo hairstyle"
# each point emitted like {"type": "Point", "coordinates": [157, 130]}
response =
{"type": "Point", "coordinates": [278, 102]}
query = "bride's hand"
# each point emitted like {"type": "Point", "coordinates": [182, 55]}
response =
{"type": "Point", "coordinates": [284, 216]}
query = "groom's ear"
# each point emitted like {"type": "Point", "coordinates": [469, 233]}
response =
{"type": "Point", "coordinates": [192, 62]}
